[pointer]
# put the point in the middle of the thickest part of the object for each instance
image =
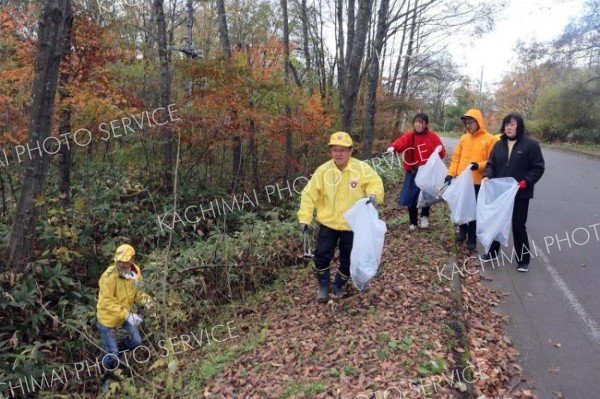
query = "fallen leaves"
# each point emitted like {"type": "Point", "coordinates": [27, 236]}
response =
{"type": "Point", "coordinates": [401, 330]}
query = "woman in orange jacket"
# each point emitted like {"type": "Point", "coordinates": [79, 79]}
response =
{"type": "Point", "coordinates": [472, 151]}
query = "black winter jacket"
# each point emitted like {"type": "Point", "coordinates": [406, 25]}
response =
{"type": "Point", "coordinates": [526, 163]}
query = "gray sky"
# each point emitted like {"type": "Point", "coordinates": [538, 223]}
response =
{"type": "Point", "coordinates": [541, 20]}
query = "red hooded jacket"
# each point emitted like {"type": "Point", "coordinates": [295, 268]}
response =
{"type": "Point", "coordinates": [417, 148]}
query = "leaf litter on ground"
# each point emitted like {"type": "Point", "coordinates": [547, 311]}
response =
{"type": "Point", "coordinates": [397, 337]}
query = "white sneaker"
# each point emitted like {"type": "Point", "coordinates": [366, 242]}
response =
{"type": "Point", "coordinates": [424, 222]}
{"type": "Point", "coordinates": [412, 227]}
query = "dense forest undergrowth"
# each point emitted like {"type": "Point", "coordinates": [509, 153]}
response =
{"type": "Point", "coordinates": [237, 317]}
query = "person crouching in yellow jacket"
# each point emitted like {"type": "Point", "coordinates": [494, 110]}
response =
{"type": "Point", "coordinates": [472, 151]}
{"type": "Point", "coordinates": [331, 191]}
{"type": "Point", "coordinates": [120, 286]}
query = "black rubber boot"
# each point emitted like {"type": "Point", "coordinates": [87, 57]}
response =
{"type": "Point", "coordinates": [461, 236]}
{"type": "Point", "coordinates": [338, 285]}
{"type": "Point", "coordinates": [323, 293]}
{"type": "Point", "coordinates": [322, 276]}
{"type": "Point", "coordinates": [471, 245]}
{"type": "Point", "coordinates": [337, 291]}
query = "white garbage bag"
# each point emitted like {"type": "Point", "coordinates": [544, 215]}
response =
{"type": "Point", "coordinates": [460, 196]}
{"type": "Point", "coordinates": [494, 210]}
{"type": "Point", "coordinates": [369, 233]}
{"type": "Point", "coordinates": [430, 177]}
{"type": "Point", "coordinates": [426, 200]}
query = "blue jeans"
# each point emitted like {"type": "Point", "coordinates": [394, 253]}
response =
{"type": "Point", "coordinates": [109, 342]}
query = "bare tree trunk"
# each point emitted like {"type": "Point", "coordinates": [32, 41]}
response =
{"type": "Point", "coordinates": [189, 42]}
{"type": "Point", "coordinates": [409, 51]}
{"type": "Point", "coordinates": [404, 78]}
{"type": "Point", "coordinates": [4, 207]}
{"type": "Point", "coordinates": [52, 26]}
{"type": "Point", "coordinates": [373, 79]}
{"type": "Point", "coordinates": [340, 49]}
{"type": "Point", "coordinates": [382, 58]}
{"type": "Point", "coordinates": [401, 51]}
{"type": "Point", "coordinates": [254, 154]}
{"type": "Point", "coordinates": [319, 44]}
{"type": "Point", "coordinates": [350, 81]}
{"type": "Point", "coordinates": [65, 159]}
{"type": "Point", "coordinates": [226, 48]}
{"type": "Point", "coordinates": [351, 28]}
{"type": "Point", "coordinates": [165, 93]}
{"type": "Point", "coordinates": [288, 110]}
{"type": "Point", "coordinates": [304, 17]}
{"type": "Point", "coordinates": [223, 32]}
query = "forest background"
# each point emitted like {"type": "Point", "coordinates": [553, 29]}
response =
{"type": "Point", "coordinates": [188, 129]}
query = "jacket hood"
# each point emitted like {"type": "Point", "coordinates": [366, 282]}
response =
{"type": "Point", "coordinates": [478, 116]}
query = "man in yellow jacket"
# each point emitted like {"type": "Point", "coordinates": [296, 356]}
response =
{"type": "Point", "coordinates": [120, 287]}
{"type": "Point", "coordinates": [332, 190]}
{"type": "Point", "coordinates": [472, 151]}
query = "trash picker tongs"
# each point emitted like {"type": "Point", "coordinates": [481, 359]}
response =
{"type": "Point", "coordinates": [307, 247]}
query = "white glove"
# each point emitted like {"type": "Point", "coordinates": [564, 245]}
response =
{"type": "Point", "coordinates": [149, 304]}
{"type": "Point", "coordinates": [134, 319]}
{"type": "Point", "coordinates": [390, 150]}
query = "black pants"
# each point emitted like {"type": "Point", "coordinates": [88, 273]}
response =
{"type": "Point", "coordinates": [413, 214]}
{"type": "Point", "coordinates": [519, 230]}
{"type": "Point", "coordinates": [327, 241]}
{"type": "Point", "coordinates": [471, 228]}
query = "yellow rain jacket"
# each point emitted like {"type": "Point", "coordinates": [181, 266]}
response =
{"type": "Point", "coordinates": [473, 147]}
{"type": "Point", "coordinates": [332, 192]}
{"type": "Point", "coordinates": [117, 295]}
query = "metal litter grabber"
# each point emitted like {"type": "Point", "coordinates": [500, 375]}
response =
{"type": "Point", "coordinates": [307, 247]}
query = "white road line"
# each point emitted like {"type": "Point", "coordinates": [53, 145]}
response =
{"type": "Point", "coordinates": [590, 326]}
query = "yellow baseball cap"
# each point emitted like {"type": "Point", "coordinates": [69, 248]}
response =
{"type": "Point", "coordinates": [340, 138]}
{"type": "Point", "coordinates": [124, 253]}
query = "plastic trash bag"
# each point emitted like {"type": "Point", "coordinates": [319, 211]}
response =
{"type": "Point", "coordinates": [369, 233]}
{"type": "Point", "coordinates": [426, 200]}
{"type": "Point", "coordinates": [494, 210]}
{"type": "Point", "coordinates": [461, 199]}
{"type": "Point", "coordinates": [431, 175]}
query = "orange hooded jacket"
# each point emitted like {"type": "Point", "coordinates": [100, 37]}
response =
{"type": "Point", "coordinates": [473, 147]}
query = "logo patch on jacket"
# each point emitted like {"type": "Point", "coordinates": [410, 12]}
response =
{"type": "Point", "coordinates": [353, 184]}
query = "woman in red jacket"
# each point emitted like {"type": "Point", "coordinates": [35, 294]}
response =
{"type": "Point", "coordinates": [417, 146]}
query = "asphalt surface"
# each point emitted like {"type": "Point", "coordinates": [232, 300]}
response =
{"type": "Point", "coordinates": [554, 308]}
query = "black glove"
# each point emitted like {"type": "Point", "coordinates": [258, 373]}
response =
{"type": "Point", "coordinates": [474, 165]}
{"type": "Point", "coordinates": [448, 180]}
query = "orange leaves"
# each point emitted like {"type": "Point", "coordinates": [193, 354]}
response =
{"type": "Point", "coordinates": [7, 24]}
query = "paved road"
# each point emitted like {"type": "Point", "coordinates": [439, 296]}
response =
{"type": "Point", "coordinates": [555, 307]}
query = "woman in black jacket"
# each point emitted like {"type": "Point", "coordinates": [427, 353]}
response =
{"type": "Point", "coordinates": [519, 157]}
